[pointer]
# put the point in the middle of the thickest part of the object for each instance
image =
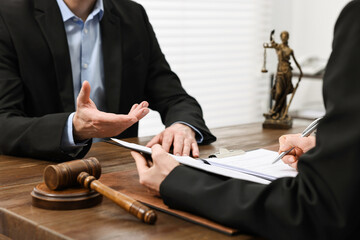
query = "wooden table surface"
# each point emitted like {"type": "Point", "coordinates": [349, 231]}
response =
{"type": "Point", "coordinates": [20, 220]}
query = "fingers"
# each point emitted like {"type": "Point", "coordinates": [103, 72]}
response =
{"type": "Point", "coordinates": [158, 152]}
{"type": "Point", "coordinates": [133, 107]}
{"type": "Point", "coordinates": [114, 120]}
{"type": "Point", "coordinates": [187, 147]}
{"type": "Point", "coordinates": [284, 146]}
{"type": "Point", "coordinates": [184, 142]}
{"type": "Point", "coordinates": [195, 150]}
{"type": "Point", "coordinates": [144, 104]}
{"type": "Point", "coordinates": [163, 161]}
{"type": "Point", "coordinates": [289, 159]}
{"type": "Point", "coordinates": [167, 140]}
{"type": "Point", "coordinates": [300, 144]}
{"type": "Point", "coordinates": [184, 146]}
{"type": "Point", "coordinates": [154, 140]}
{"type": "Point", "coordinates": [139, 110]}
{"type": "Point", "coordinates": [84, 95]}
{"type": "Point", "coordinates": [179, 145]}
{"type": "Point", "coordinates": [141, 163]}
{"type": "Point", "coordinates": [142, 114]}
{"type": "Point", "coordinates": [294, 165]}
{"type": "Point", "coordinates": [108, 124]}
{"type": "Point", "coordinates": [288, 141]}
{"type": "Point", "coordinates": [139, 113]}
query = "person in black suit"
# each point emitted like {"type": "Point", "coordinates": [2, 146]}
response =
{"type": "Point", "coordinates": [322, 202]}
{"type": "Point", "coordinates": [41, 76]}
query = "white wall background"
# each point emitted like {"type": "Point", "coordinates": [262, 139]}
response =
{"type": "Point", "coordinates": [216, 49]}
{"type": "Point", "coordinates": [311, 25]}
{"type": "Point", "coordinates": [310, 22]}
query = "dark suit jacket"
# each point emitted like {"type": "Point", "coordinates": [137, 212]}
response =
{"type": "Point", "coordinates": [36, 89]}
{"type": "Point", "coordinates": [323, 201]}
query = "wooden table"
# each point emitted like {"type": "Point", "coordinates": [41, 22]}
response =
{"type": "Point", "coordinates": [20, 220]}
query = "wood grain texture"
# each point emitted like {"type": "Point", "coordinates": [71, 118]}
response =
{"type": "Point", "coordinates": [20, 220]}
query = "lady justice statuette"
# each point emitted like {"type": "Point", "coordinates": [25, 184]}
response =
{"type": "Point", "coordinates": [278, 117]}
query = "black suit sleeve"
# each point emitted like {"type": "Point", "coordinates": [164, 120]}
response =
{"type": "Point", "coordinates": [322, 202]}
{"type": "Point", "coordinates": [20, 134]}
{"type": "Point", "coordinates": [165, 93]}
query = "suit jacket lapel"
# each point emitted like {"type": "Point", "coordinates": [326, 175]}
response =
{"type": "Point", "coordinates": [110, 27]}
{"type": "Point", "coordinates": [48, 15]}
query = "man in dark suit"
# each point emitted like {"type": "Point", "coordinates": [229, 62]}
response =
{"type": "Point", "coordinates": [322, 202]}
{"type": "Point", "coordinates": [51, 51]}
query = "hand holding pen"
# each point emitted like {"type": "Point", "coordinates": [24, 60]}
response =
{"type": "Point", "coordinates": [296, 144]}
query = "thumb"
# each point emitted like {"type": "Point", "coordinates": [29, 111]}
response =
{"type": "Point", "coordinates": [84, 95]}
{"type": "Point", "coordinates": [158, 152]}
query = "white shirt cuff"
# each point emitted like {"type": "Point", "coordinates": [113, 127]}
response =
{"type": "Point", "coordinates": [68, 144]}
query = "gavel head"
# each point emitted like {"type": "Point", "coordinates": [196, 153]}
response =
{"type": "Point", "coordinates": [65, 174]}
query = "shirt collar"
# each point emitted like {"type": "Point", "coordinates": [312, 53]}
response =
{"type": "Point", "coordinates": [68, 14]}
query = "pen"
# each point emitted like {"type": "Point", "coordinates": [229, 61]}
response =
{"type": "Point", "coordinates": [308, 130]}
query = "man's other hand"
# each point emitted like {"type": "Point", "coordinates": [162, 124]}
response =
{"type": "Point", "coordinates": [181, 137]}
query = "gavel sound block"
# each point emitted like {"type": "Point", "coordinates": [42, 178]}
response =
{"type": "Point", "coordinates": [84, 172]}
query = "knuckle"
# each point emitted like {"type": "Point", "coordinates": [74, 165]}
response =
{"type": "Point", "coordinates": [168, 133]}
{"type": "Point", "coordinates": [180, 134]}
{"type": "Point", "coordinates": [157, 154]}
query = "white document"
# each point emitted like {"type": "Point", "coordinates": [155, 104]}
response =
{"type": "Point", "coordinates": [258, 163]}
{"type": "Point", "coordinates": [133, 146]}
{"type": "Point", "coordinates": [255, 166]}
{"type": "Point", "coordinates": [196, 163]}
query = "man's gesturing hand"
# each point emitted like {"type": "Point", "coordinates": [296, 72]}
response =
{"type": "Point", "coordinates": [179, 135]}
{"type": "Point", "coordinates": [89, 122]}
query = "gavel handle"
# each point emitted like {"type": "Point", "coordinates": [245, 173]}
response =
{"type": "Point", "coordinates": [132, 206]}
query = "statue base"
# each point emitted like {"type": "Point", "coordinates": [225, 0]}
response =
{"type": "Point", "coordinates": [271, 123]}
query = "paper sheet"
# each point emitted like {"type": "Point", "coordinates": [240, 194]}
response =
{"type": "Point", "coordinates": [258, 163]}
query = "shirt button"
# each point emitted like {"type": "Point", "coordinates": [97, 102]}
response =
{"type": "Point", "coordinates": [75, 19]}
{"type": "Point", "coordinates": [85, 30]}
{"type": "Point", "coordinates": [85, 65]}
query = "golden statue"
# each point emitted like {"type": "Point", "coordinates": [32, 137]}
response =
{"type": "Point", "coordinates": [278, 116]}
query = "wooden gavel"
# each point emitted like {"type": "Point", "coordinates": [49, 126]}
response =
{"type": "Point", "coordinates": [85, 172]}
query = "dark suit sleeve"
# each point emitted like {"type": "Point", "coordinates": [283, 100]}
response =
{"type": "Point", "coordinates": [165, 93]}
{"type": "Point", "coordinates": [22, 135]}
{"type": "Point", "coordinates": [322, 202]}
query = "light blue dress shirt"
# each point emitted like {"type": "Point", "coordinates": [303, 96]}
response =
{"type": "Point", "coordinates": [85, 47]}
